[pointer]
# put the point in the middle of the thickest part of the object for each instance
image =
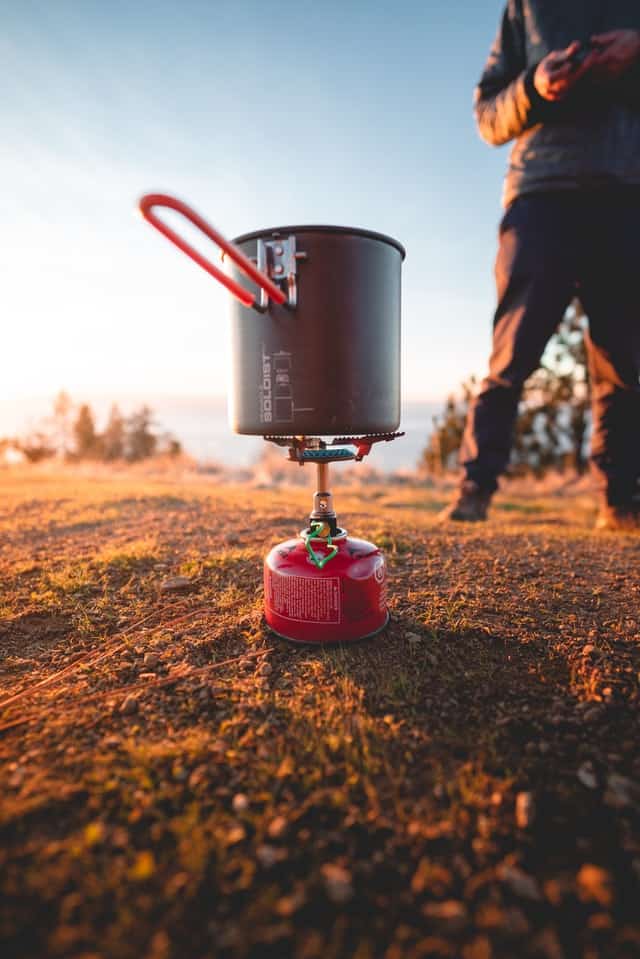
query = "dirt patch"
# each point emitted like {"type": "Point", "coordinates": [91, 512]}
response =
{"type": "Point", "coordinates": [178, 782]}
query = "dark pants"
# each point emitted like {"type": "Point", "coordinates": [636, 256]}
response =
{"type": "Point", "coordinates": [554, 246]}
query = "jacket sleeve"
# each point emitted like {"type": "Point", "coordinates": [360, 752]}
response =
{"type": "Point", "coordinates": [506, 102]}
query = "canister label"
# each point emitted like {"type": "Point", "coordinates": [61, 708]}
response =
{"type": "Point", "coordinates": [305, 599]}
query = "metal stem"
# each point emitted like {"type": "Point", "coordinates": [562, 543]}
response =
{"type": "Point", "coordinates": [323, 500]}
{"type": "Point", "coordinates": [323, 477]}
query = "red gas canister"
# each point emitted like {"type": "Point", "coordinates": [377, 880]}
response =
{"type": "Point", "coordinates": [336, 593]}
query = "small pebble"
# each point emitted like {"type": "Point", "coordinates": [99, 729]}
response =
{"type": "Point", "coordinates": [240, 803]}
{"type": "Point", "coordinates": [525, 810]}
{"type": "Point", "coordinates": [337, 883]}
{"type": "Point", "coordinates": [175, 583]}
{"type": "Point", "coordinates": [267, 856]}
{"type": "Point", "coordinates": [595, 885]}
{"type": "Point", "coordinates": [621, 792]}
{"type": "Point", "coordinates": [593, 713]}
{"type": "Point", "coordinates": [277, 827]}
{"type": "Point", "coordinates": [129, 706]}
{"type": "Point", "coordinates": [451, 915]}
{"type": "Point", "coordinates": [523, 885]}
{"type": "Point", "coordinates": [587, 775]}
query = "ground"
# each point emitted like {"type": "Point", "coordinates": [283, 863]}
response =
{"type": "Point", "coordinates": [178, 782]}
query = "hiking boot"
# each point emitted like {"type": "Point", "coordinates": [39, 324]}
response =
{"type": "Point", "coordinates": [470, 505]}
{"type": "Point", "coordinates": [620, 518]}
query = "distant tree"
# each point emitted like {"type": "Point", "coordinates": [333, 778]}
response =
{"type": "Point", "coordinates": [37, 446]}
{"type": "Point", "coordinates": [87, 441]}
{"type": "Point", "coordinates": [113, 440]}
{"type": "Point", "coordinates": [132, 438]}
{"type": "Point", "coordinates": [441, 453]}
{"type": "Point", "coordinates": [169, 445]}
{"type": "Point", "coordinates": [63, 423]}
{"type": "Point", "coordinates": [553, 418]}
{"type": "Point", "coordinates": [554, 413]}
{"type": "Point", "coordinates": [141, 441]}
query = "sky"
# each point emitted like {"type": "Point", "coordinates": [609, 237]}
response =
{"type": "Point", "coordinates": [345, 112]}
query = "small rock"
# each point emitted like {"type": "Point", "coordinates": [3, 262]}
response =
{"type": "Point", "coordinates": [490, 916]}
{"type": "Point", "coordinates": [621, 792]}
{"type": "Point", "coordinates": [268, 856]}
{"type": "Point", "coordinates": [129, 705]}
{"type": "Point", "coordinates": [277, 827]}
{"type": "Point", "coordinates": [451, 915]}
{"type": "Point", "coordinates": [546, 945]}
{"type": "Point", "coordinates": [593, 713]}
{"type": "Point", "coordinates": [521, 884]}
{"type": "Point", "coordinates": [478, 948]}
{"type": "Point", "coordinates": [240, 803]}
{"type": "Point", "coordinates": [515, 923]}
{"type": "Point", "coordinates": [175, 583]}
{"type": "Point", "coordinates": [337, 883]}
{"type": "Point", "coordinates": [94, 833]}
{"type": "Point", "coordinates": [198, 776]}
{"type": "Point", "coordinates": [558, 889]}
{"type": "Point", "coordinates": [595, 885]}
{"type": "Point", "coordinates": [143, 867]}
{"type": "Point", "coordinates": [17, 778]}
{"type": "Point", "coordinates": [587, 775]}
{"type": "Point", "coordinates": [151, 660]}
{"type": "Point", "coordinates": [287, 905]}
{"type": "Point", "coordinates": [525, 810]}
{"type": "Point", "coordinates": [236, 834]}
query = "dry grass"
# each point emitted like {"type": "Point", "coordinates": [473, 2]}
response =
{"type": "Point", "coordinates": [179, 783]}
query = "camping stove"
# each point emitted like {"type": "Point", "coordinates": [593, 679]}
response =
{"type": "Point", "coordinates": [325, 586]}
{"type": "Point", "coordinates": [319, 354]}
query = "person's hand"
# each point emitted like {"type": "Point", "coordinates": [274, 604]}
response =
{"type": "Point", "coordinates": [557, 73]}
{"type": "Point", "coordinates": [614, 52]}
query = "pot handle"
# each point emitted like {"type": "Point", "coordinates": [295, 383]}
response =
{"type": "Point", "coordinates": [150, 200]}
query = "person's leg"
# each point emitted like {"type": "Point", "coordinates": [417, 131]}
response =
{"type": "Point", "coordinates": [610, 293]}
{"type": "Point", "coordinates": [535, 278]}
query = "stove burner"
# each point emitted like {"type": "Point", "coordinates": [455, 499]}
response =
{"type": "Point", "coordinates": [313, 449]}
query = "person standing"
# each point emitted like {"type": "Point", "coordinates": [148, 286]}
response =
{"type": "Point", "coordinates": [563, 81]}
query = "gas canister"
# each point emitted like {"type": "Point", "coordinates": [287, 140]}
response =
{"type": "Point", "coordinates": [318, 593]}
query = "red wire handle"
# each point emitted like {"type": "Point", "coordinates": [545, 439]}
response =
{"type": "Point", "coordinates": [146, 204]}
